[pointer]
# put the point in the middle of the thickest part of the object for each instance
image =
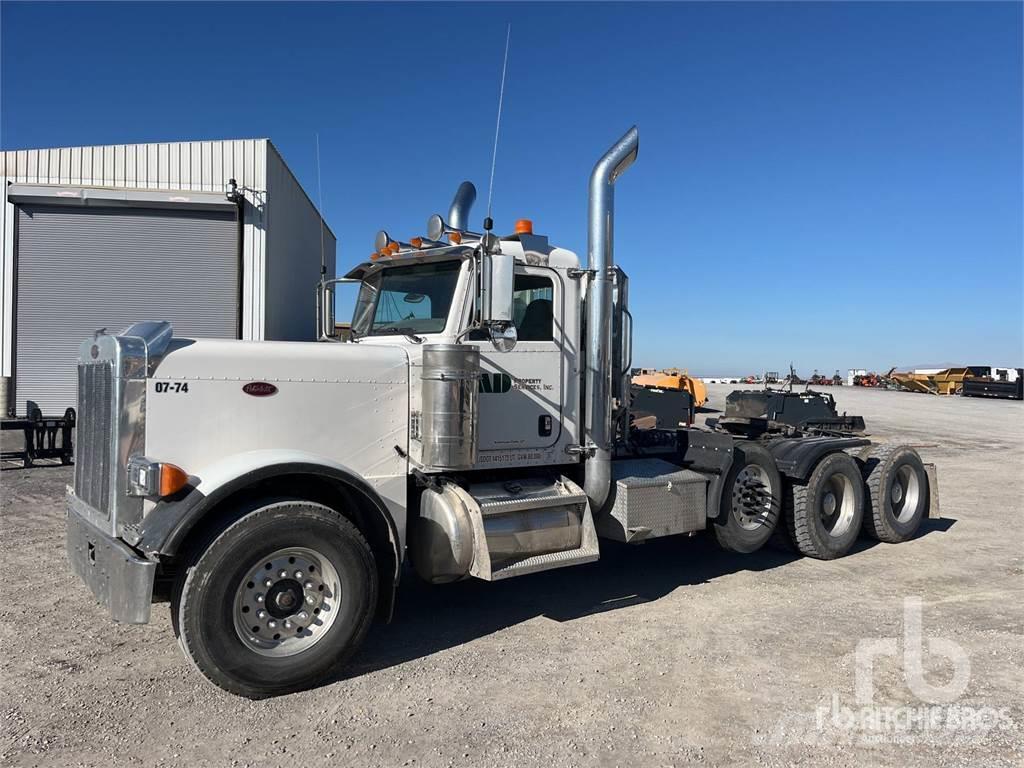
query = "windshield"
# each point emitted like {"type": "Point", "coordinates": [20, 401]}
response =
{"type": "Point", "coordinates": [404, 300]}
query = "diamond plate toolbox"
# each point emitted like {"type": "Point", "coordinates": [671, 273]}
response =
{"type": "Point", "coordinates": [654, 498]}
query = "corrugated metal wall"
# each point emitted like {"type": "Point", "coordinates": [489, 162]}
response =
{"type": "Point", "coordinates": [83, 268]}
{"type": "Point", "coordinates": [197, 166]}
{"type": "Point", "coordinates": [275, 295]}
{"type": "Point", "coordinates": [293, 254]}
{"type": "Point", "coordinates": [200, 166]}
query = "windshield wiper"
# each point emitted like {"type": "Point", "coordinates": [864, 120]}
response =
{"type": "Point", "coordinates": [409, 333]}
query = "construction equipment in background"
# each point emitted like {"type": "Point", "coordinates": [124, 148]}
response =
{"type": "Point", "coordinates": [948, 381]}
{"type": "Point", "coordinates": [870, 379]}
{"type": "Point", "coordinates": [672, 379]}
{"type": "Point", "coordinates": [793, 377]}
{"type": "Point", "coordinates": [820, 379]}
{"type": "Point", "coordinates": [1000, 383]}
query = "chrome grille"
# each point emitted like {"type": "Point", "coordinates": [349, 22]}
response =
{"type": "Point", "coordinates": [95, 435]}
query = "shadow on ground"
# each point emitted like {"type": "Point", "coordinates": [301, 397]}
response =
{"type": "Point", "coordinates": [429, 618]}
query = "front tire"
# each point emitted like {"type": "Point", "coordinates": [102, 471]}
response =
{"type": "Point", "coordinates": [260, 631]}
{"type": "Point", "coordinates": [824, 515]}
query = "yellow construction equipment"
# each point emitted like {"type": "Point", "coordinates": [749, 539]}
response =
{"type": "Point", "coordinates": [673, 378]}
{"type": "Point", "coordinates": [948, 381]}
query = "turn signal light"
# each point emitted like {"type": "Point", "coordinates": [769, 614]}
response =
{"type": "Point", "coordinates": [454, 237]}
{"type": "Point", "coordinates": [172, 479]}
{"type": "Point", "coordinates": [416, 242]}
{"type": "Point", "coordinates": [524, 227]}
{"type": "Point", "coordinates": [154, 478]}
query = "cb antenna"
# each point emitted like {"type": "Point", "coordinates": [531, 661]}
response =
{"type": "Point", "coordinates": [320, 196]}
{"type": "Point", "coordinates": [489, 222]}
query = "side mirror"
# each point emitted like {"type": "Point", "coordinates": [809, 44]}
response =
{"type": "Point", "coordinates": [496, 288]}
{"type": "Point", "coordinates": [325, 325]}
{"type": "Point", "coordinates": [504, 338]}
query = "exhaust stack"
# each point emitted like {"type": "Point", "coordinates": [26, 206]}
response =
{"type": "Point", "coordinates": [458, 214]}
{"type": "Point", "coordinates": [598, 344]}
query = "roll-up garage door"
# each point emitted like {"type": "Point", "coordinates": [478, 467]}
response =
{"type": "Point", "coordinates": [80, 269]}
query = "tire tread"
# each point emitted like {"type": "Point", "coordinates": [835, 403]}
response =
{"type": "Point", "coordinates": [181, 607]}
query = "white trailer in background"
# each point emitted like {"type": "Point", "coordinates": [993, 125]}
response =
{"type": "Point", "coordinates": [95, 237]}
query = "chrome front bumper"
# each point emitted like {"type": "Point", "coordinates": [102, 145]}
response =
{"type": "Point", "coordinates": [120, 579]}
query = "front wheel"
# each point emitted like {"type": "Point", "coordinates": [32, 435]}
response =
{"type": "Point", "coordinates": [278, 601]}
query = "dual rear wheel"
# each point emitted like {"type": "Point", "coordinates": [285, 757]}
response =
{"type": "Point", "coordinates": [883, 493]}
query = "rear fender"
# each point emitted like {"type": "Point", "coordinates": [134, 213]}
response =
{"type": "Point", "coordinates": [796, 457]}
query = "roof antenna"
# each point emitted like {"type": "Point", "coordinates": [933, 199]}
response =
{"type": "Point", "coordinates": [320, 195]}
{"type": "Point", "coordinates": [488, 221]}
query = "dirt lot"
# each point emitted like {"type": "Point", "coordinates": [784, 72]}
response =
{"type": "Point", "coordinates": [668, 653]}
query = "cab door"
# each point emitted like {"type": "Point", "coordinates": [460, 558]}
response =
{"type": "Point", "coordinates": [521, 392]}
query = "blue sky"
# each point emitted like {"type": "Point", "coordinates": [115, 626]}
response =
{"type": "Point", "coordinates": [836, 184]}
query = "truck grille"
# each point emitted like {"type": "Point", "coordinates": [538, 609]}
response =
{"type": "Point", "coordinates": [95, 435]}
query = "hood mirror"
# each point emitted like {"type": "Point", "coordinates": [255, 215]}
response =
{"type": "Point", "coordinates": [436, 227]}
{"type": "Point", "coordinates": [504, 338]}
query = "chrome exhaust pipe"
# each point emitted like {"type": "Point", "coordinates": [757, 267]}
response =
{"type": "Point", "coordinates": [598, 345]}
{"type": "Point", "coordinates": [458, 214]}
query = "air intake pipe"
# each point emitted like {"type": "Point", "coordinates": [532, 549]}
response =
{"type": "Point", "coordinates": [598, 345]}
{"type": "Point", "coordinates": [458, 214]}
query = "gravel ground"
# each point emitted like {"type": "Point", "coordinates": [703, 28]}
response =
{"type": "Point", "coordinates": [668, 653]}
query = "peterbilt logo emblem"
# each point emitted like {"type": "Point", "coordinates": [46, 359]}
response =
{"type": "Point", "coordinates": [259, 389]}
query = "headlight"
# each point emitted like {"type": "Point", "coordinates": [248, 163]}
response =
{"type": "Point", "coordinates": [150, 478]}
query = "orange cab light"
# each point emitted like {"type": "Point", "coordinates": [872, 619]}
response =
{"type": "Point", "coordinates": [172, 479]}
{"type": "Point", "coordinates": [394, 247]}
{"type": "Point", "coordinates": [524, 227]}
{"type": "Point", "coordinates": [416, 242]}
{"type": "Point", "coordinates": [454, 237]}
{"type": "Point", "coordinates": [374, 256]}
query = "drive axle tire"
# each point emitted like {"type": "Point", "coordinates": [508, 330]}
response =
{"type": "Point", "coordinates": [751, 500]}
{"type": "Point", "coordinates": [278, 601]}
{"type": "Point", "coordinates": [824, 515]}
{"type": "Point", "coordinates": [896, 486]}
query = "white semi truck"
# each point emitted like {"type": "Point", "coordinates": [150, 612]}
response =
{"type": "Point", "coordinates": [476, 421]}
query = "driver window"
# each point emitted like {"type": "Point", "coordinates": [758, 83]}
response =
{"type": "Point", "coordinates": [533, 308]}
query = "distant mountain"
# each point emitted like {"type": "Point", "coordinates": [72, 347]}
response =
{"type": "Point", "coordinates": [933, 365]}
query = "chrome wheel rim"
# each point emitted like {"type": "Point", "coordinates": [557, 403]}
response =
{"type": "Point", "coordinates": [837, 505]}
{"type": "Point", "coordinates": [286, 602]}
{"type": "Point", "coordinates": [905, 493]}
{"type": "Point", "coordinates": [752, 497]}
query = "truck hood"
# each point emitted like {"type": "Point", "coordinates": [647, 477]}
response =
{"type": "Point", "coordinates": [276, 361]}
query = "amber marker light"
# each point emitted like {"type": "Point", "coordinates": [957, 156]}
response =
{"type": "Point", "coordinates": [172, 479]}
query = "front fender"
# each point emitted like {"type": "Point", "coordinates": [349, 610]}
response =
{"type": "Point", "coordinates": [168, 523]}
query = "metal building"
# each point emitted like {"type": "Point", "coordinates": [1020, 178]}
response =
{"type": "Point", "coordinates": [100, 237]}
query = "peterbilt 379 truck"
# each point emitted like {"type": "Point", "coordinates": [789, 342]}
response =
{"type": "Point", "coordinates": [476, 422]}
